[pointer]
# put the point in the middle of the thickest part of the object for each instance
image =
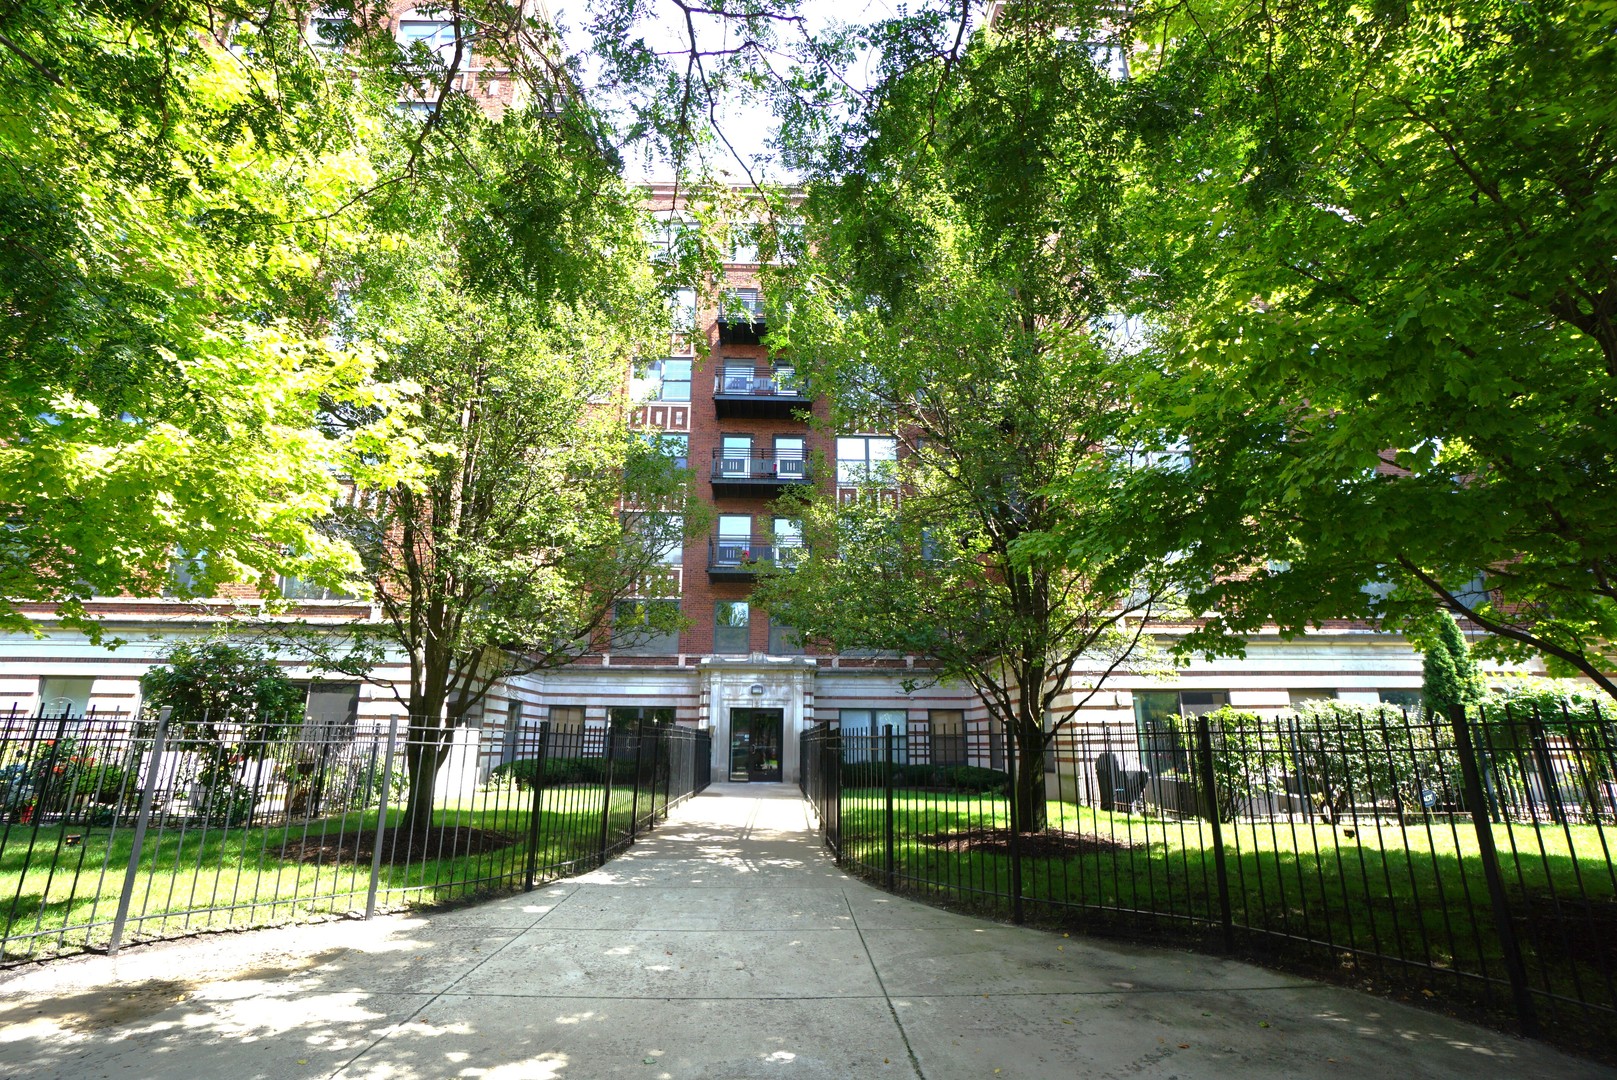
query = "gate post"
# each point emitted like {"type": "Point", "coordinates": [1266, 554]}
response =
{"type": "Point", "coordinates": [538, 798]}
{"type": "Point", "coordinates": [142, 818]}
{"type": "Point", "coordinates": [606, 796]}
{"type": "Point", "coordinates": [381, 817]}
{"type": "Point", "coordinates": [634, 801]}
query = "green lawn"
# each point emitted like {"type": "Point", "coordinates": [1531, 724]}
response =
{"type": "Point", "coordinates": [1413, 892]}
{"type": "Point", "coordinates": [244, 877]}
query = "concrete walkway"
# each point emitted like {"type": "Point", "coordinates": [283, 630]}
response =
{"type": "Point", "coordinates": [726, 945]}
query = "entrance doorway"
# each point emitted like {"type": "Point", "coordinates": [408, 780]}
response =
{"type": "Point", "coordinates": [755, 745]}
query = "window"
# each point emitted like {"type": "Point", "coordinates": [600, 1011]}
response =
{"type": "Point", "coordinates": [1301, 698]}
{"type": "Point", "coordinates": [738, 375]}
{"type": "Point", "coordinates": [746, 302]}
{"type": "Point", "coordinates": [677, 447]}
{"type": "Point", "coordinates": [682, 311]}
{"type": "Point", "coordinates": [329, 30]}
{"type": "Point", "coordinates": [1401, 699]}
{"type": "Point", "coordinates": [1474, 593]}
{"type": "Point", "coordinates": [948, 731]}
{"type": "Point", "coordinates": [329, 713]}
{"type": "Point", "coordinates": [64, 695]}
{"type": "Point", "coordinates": [783, 640]}
{"type": "Point", "coordinates": [862, 728]}
{"type": "Point", "coordinates": [187, 573]}
{"type": "Point", "coordinates": [788, 540]}
{"type": "Point", "coordinates": [732, 622]}
{"type": "Point", "coordinates": [1174, 456]}
{"type": "Point", "coordinates": [866, 459]}
{"type": "Point", "coordinates": [436, 36]}
{"type": "Point", "coordinates": [668, 379]}
{"type": "Point", "coordinates": [635, 631]}
{"type": "Point", "coordinates": [664, 235]}
{"type": "Point", "coordinates": [665, 532]}
{"type": "Point", "coordinates": [626, 718]}
{"type": "Point", "coordinates": [735, 455]}
{"type": "Point", "coordinates": [296, 588]}
{"type": "Point", "coordinates": [1163, 744]}
{"type": "Point", "coordinates": [567, 719]}
{"type": "Point", "coordinates": [744, 243]}
{"type": "Point", "coordinates": [784, 381]}
{"type": "Point", "coordinates": [735, 539]}
{"type": "Point", "coordinates": [566, 737]}
{"type": "Point", "coordinates": [791, 455]}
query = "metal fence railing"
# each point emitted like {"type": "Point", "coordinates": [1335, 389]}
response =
{"type": "Point", "coordinates": [116, 828]}
{"type": "Point", "coordinates": [1466, 858]}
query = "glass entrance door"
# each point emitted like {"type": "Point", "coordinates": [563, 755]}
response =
{"type": "Point", "coordinates": [755, 744]}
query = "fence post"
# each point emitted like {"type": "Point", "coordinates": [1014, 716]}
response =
{"type": "Point", "coordinates": [1204, 767]}
{"type": "Point", "coordinates": [381, 817]}
{"type": "Point", "coordinates": [634, 799]}
{"type": "Point", "coordinates": [1013, 754]}
{"type": "Point", "coordinates": [142, 818]}
{"type": "Point", "coordinates": [656, 767]}
{"type": "Point", "coordinates": [887, 786]}
{"type": "Point", "coordinates": [606, 798]}
{"type": "Point", "coordinates": [1471, 779]}
{"type": "Point", "coordinates": [833, 747]}
{"type": "Point", "coordinates": [533, 812]}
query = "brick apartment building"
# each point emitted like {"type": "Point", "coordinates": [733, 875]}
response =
{"type": "Point", "coordinates": [740, 418]}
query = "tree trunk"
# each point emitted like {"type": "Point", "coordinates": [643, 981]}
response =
{"type": "Point", "coordinates": [421, 763]}
{"type": "Point", "coordinates": [1030, 808]}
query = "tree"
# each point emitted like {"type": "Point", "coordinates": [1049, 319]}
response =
{"type": "Point", "coordinates": [1449, 675]}
{"type": "Point", "coordinates": [171, 189]}
{"type": "Point", "coordinates": [1374, 249]}
{"type": "Point", "coordinates": [227, 702]}
{"type": "Point", "coordinates": [513, 289]}
{"type": "Point", "coordinates": [965, 314]}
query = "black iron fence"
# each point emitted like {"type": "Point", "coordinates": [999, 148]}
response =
{"type": "Point", "coordinates": [1467, 858]}
{"type": "Point", "coordinates": [116, 828]}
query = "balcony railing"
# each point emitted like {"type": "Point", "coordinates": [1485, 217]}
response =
{"type": "Point", "coordinates": [739, 558]}
{"type": "Point", "coordinates": [740, 473]}
{"type": "Point", "coordinates": [758, 392]}
{"type": "Point", "coordinates": [742, 321]}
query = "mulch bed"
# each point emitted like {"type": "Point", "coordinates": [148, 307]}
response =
{"type": "Point", "coordinates": [398, 845]}
{"type": "Point", "coordinates": [1043, 845]}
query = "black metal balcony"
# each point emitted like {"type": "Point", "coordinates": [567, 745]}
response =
{"type": "Point", "coordinates": [745, 474]}
{"type": "Point", "coordinates": [761, 393]}
{"type": "Point", "coordinates": [742, 322]}
{"type": "Point", "coordinates": [740, 558]}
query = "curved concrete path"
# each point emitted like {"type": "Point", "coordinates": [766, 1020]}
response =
{"type": "Point", "coordinates": [725, 945]}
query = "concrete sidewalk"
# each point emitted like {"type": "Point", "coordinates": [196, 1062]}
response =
{"type": "Point", "coordinates": [726, 945]}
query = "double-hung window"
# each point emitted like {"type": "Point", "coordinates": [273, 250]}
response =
{"type": "Point", "coordinates": [948, 731]}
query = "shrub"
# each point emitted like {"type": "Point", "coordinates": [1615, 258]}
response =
{"type": "Point", "coordinates": [227, 703]}
{"type": "Point", "coordinates": [963, 778]}
{"type": "Point", "coordinates": [560, 771]}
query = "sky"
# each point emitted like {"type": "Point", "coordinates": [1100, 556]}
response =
{"type": "Point", "coordinates": [746, 126]}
